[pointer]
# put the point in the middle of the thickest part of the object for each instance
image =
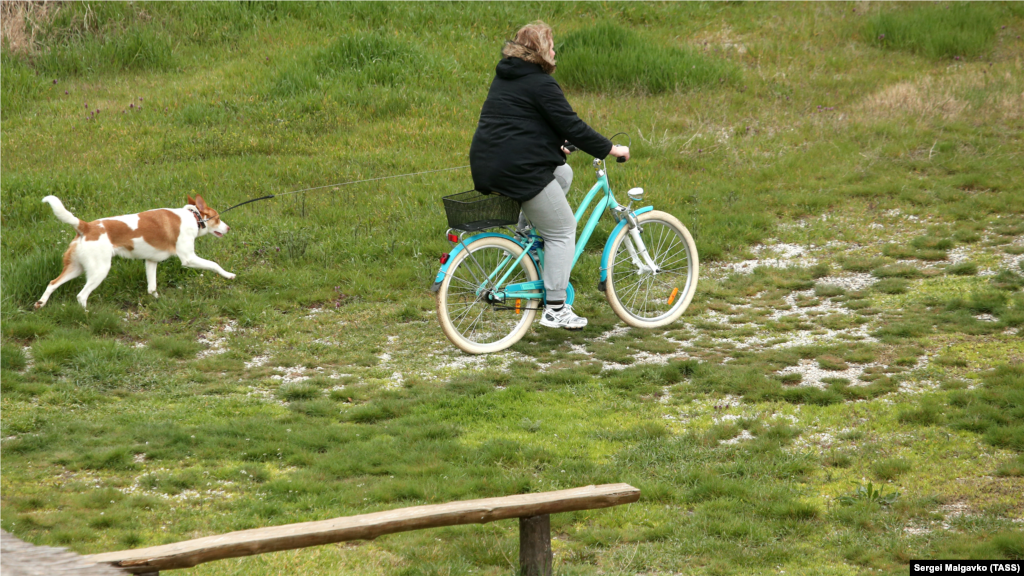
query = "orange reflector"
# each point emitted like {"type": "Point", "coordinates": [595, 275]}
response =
{"type": "Point", "coordinates": [675, 291]}
{"type": "Point", "coordinates": [519, 304]}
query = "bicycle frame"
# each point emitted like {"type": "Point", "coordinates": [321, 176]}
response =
{"type": "Point", "coordinates": [534, 290]}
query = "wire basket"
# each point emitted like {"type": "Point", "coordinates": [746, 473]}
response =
{"type": "Point", "coordinates": [472, 211]}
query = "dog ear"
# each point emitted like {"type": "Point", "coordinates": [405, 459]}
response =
{"type": "Point", "coordinates": [200, 203]}
{"type": "Point", "coordinates": [190, 200]}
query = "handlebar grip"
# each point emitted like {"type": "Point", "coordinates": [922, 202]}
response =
{"type": "Point", "coordinates": [571, 148]}
{"type": "Point", "coordinates": [620, 159]}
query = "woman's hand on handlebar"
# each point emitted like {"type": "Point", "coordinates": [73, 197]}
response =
{"type": "Point", "coordinates": [620, 152]}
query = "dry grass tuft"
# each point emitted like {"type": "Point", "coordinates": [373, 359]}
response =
{"type": "Point", "coordinates": [946, 97]}
{"type": "Point", "coordinates": [927, 97]}
{"type": "Point", "coordinates": [20, 22]}
{"type": "Point", "coordinates": [723, 39]}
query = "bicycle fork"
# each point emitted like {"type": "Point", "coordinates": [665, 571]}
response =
{"type": "Point", "coordinates": [638, 252]}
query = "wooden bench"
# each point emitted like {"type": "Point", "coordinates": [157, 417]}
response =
{"type": "Point", "coordinates": [533, 511]}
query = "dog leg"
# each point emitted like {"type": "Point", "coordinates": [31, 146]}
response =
{"type": "Point", "coordinates": [204, 264]}
{"type": "Point", "coordinates": [95, 275]}
{"type": "Point", "coordinates": [151, 277]}
{"type": "Point", "coordinates": [71, 271]}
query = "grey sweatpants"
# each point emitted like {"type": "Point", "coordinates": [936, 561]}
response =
{"type": "Point", "coordinates": [551, 216]}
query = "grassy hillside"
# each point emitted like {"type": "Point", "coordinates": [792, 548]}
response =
{"type": "Point", "coordinates": [851, 175]}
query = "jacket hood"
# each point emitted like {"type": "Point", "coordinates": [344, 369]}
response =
{"type": "Point", "coordinates": [514, 50]}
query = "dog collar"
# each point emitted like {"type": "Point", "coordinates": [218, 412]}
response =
{"type": "Point", "coordinates": [199, 219]}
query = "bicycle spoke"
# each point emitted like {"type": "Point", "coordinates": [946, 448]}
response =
{"type": "Point", "coordinates": [641, 293]}
{"type": "Point", "coordinates": [475, 320]}
{"type": "Point", "coordinates": [471, 312]}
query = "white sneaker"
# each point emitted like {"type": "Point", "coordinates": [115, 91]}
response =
{"type": "Point", "coordinates": [564, 318]}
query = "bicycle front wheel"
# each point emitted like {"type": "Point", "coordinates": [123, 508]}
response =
{"type": "Point", "coordinates": [651, 282]}
{"type": "Point", "coordinates": [469, 313]}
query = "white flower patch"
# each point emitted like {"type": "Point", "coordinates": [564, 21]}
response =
{"type": "Point", "coordinates": [813, 375]}
{"type": "Point", "coordinates": [698, 408]}
{"type": "Point", "coordinates": [267, 396]}
{"type": "Point", "coordinates": [617, 331]}
{"type": "Point", "coordinates": [29, 359]}
{"type": "Point", "coordinates": [1012, 261]}
{"type": "Point", "coordinates": [743, 436]}
{"type": "Point", "coordinates": [183, 496]}
{"type": "Point", "coordinates": [257, 362]}
{"type": "Point", "coordinates": [213, 345]}
{"type": "Point", "coordinates": [850, 281]}
{"type": "Point", "coordinates": [918, 387]}
{"type": "Point", "coordinates": [641, 357]}
{"type": "Point", "coordinates": [291, 375]}
{"type": "Point", "coordinates": [913, 529]}
{"type": "Point", "coordinates": [955, 510]}
{"type": "Point", "coordinates": [787, 417]}
{"type": "Point", "coordinates": [395, 381]}
{"type": "Point", "coordinates": [775, 256]}
{"type": "Point", "coordinates": [959, 254]}
{"type": "Point", "coordinates": [817, 442]}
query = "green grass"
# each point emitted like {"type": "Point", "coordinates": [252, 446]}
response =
{"type": "Point", "coordinates": [317, 383]}
{"type": "Point", "coordinates": [12, 358]}
{"type": "Point", "coordinates": [963, 269]}
{"type": "Point", "coordinates": [948, 30]}
{"type": "Point", "coordinates": [610, 57]}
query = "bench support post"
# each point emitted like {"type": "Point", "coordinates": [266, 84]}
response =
{"type": "Point", "coordinates": [535, 545]}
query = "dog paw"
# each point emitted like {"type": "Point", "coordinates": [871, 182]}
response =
{"type": "Point", "coordinates": [229, 275]}
{"type": "Point", "coordinates": [39, 304]}
{"type": "Point", "coordinates": [154, 294]}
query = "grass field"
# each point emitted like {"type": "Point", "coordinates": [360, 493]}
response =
{"type": "Point", "coordinates": [845, 394]}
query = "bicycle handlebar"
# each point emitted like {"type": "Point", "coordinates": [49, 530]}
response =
{"type": "Point", "coordinates": [572, 148]}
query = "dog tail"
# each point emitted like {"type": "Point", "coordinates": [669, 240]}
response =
{"type": "Point", "coordinates": [61, 212]}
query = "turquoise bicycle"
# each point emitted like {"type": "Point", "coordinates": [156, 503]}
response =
{"type": "Point", "coordinates": [489, 288]}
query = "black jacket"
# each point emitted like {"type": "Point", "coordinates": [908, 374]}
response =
{"type": "Point", "coordinates": [524, 121]}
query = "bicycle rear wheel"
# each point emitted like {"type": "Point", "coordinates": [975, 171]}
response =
{"type": "Point", "coordinates": [469, 314]}
{"type": "Point", "coordinates": [645, 297]}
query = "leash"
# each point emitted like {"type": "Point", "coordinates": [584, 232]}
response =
{"type": "Point", "coordinates": [340, 184]}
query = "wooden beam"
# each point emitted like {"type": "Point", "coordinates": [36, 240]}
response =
{"type": "Point", "coordinates": [364, 527]}
{"type": "Point", "coordinates": [535, 546]}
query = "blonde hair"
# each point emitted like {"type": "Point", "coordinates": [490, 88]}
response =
{"type": "Point", "coordinates": [533, 43]}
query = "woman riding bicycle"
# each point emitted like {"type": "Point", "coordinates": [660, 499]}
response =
{"type": "Point", "coordinates": [518, 152]}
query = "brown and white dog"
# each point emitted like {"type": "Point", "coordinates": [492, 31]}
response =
{"type": "Point", "coordinates": [152, 236]}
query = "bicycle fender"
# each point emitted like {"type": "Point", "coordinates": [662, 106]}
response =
{"type": "Point", "coordinates": [458, 248]}
{"type": "Point", "coordinates": [608, 245]}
